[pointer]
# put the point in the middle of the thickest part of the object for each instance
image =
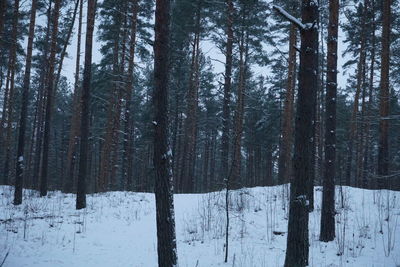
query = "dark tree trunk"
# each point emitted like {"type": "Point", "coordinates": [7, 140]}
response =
{"type": "Point", "coordinates": [285, 150]}
{"type": "Point", "coordinates": [367, 152]}
{"type": "Point", "coordinates": [383, 147]}
{"type": "Point", "coordinates": [9, 95]}
{"type": "Point", "coordinates": [127, 169]}
{"type": "Point", "coordinates": [85, 101]}
{"type": "Point", "coordinates": [49, 101]}
{"type": "Point", "coordinates": [189, 138]}
{"type": "Point", "coordinates": [234, 177]}
{"type": "Point", "coordinates": [40, 104]}
{"type": "Point", "coordinates": [328, 195]}
{"type": "Point", "coordinates": [166, 237]}
{"type": "Point", "coordinates": [19, 173]}
{"type": "Point", "coordinates": [66, 43]}
{"type": "Point", "coordinates": [106, 165]}
{"type": "Point", "coordinates": [76, 115]}
{"type": "Point", "coordinates": [227, 92]}
{"type": "Point", "coordinates": [354, 120]}
{"type": "Point", "coordinates": [297, 240]}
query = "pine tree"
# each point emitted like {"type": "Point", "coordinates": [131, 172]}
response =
{"type": "Point", "coordinates": [49, 100]}
{"type": "Point", "coordinates": [19, 173]}
{"type": "Point", "coordinates": [328, 196]}
{"type": "Point", "coordinates": [383, 149]}
{"type": "Point", "coordinates": [166, 237]}
{"type": "Point", "coordinates": [297, 239]}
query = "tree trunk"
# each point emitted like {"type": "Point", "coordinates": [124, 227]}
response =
{"type": "Point", "coordinates": [127, 169]}
{"type": "Point", "coordinates": [227, 92]}
{"type": "Point", "coordinates": [49, 101]}
{"type": "Point", "coordinates": [234, 178]}
{"type": "Point", "coordinates": [166, 237]}
{"type": "Point", "coordinates": [354, 120]}
{"type": "Point", "coordinates": [40, 104]}
{"type": "Point", "coordinates": [297, 239]}
{"type": "Point", "coordinates": [109, 142]}
{"type": "Point", "coordinates": [383, 147]}
{"type": "Point", "coordinates": [285, 151]}
{"type": "Point", "coordinates": [85, 102]}
{"type": "Point", "coordinates": [367, 154]}
{"type": "Point", "coordinates": [9, 99]}
{"type": "Point", "coordinates": [76, 114]}
{"type": "Point", "coordinates": [190, 124]}
{"type": "Point", "coordinates": [19, 173]}
{"type": "Point", "coordinates": [328, 196]}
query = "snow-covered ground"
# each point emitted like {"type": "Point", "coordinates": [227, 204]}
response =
{"type": "Point", "coordinates": [118, 229]}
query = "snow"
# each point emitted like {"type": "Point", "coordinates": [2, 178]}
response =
{"type": "Point", "coordinates": [118, 229]}
{"type": "Point", "coordinates": [290, 17]}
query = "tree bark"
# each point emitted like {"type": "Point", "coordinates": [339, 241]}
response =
{"type": "Point", "coordinates": [49, 101]}
{"type": "Point", "coordinates": [189, 142]}
{"type": "Point", "coordinates": [328, 195]}
{"type": "Point", "coordinates": [383, 147]}
{"type": "Point", "coordinates": [354, 119]}
{"type": "Point", "coordinates": [19, 172]}
{"type": "Point", "coordinates": [85, 102]}
{"type": "Point", "coordinates": [166, 237]}
{"type": "Point", "coordinates": [297, 239]}
{"type": "Point", "coordinates": [285, 151]}
{"type": "Point", "coordinates": [76, 114]}
{"type": "Point", "coordinates": [129, 131]}
{"type": "Point", "coordinates": [227, 91]}
{"type": "Point", "coordinates": [9, 98]}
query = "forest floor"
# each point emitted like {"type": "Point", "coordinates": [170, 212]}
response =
{"type": "Point", "coordinates": [119, 229]}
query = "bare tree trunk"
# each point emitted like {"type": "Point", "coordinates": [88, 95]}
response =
{"type": "Point", "coordinates": [127, 169]}
{"type": "Point", "coordinates": [189, 141]}
{"type": "Point", "coordinates": [383, 147]}
{"type": "Point", "coordinates": [76, 114]}
{"type": "Point", "coordinates": [108, 145]}
{"type": "Point", "coordinates": [367, 169]}
{"type": "Point", "coordinates": [85, 101]}
{"type": "Point", "coordinates": [285, 151]}
{"type": "Point", "coordinates": [354, 119]}
{"type": "Point", "coordinates": [227, 91]}
{"type": "Point", "coordinates": [328, 196]}
{"type": "Point", "coordinates": [166, 237]}
{"type": "Point", "coordinates": [41, 103]}
{"type": "Point", "coordinates": [19, 172]}
{"type": "Point", "coordinates": [49, 101]}
{"type": "Point", "coordinates": [9, 99]}
{"type": "Point", "coordinates": [235, 172]}
{"type": "Point", "coordinates": [297, 239]}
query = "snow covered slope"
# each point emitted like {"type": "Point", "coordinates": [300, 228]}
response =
{"type": "Point", "coordinates": [118, 229]}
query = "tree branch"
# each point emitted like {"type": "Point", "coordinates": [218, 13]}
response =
{"type": "Point", "coordinates": [289, 17]}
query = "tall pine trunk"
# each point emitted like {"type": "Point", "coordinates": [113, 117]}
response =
{"type": "Point", "coordinates": [49, 101]}
{"type": "Point", "coordinates": [297, 239]}
{"type": "Point", "coordinates": [190, 124]}
{"type": "Point", "coordinates": [383, 147]}
{"type": "Point", "coordinates": [285, 151]}
{"type": "Point", "coordinates": [85, 102]}
{"type": "Point", "coordinates": [166, 237]}
{"type": "Point", "coordinates": [227, 91]}
{"type": "Point", "coordinates": [76, 115]}
{"type": "Point", "coordinates": [20, 165]}
{"type": "Point", "coordinates": [328, 195]}
{"type": "Point", "coordinates": [6, 134]}
{"type": "Point", "coordinates": [354, 116]}
{"type": "Point", "coordinates": [127, 169]}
